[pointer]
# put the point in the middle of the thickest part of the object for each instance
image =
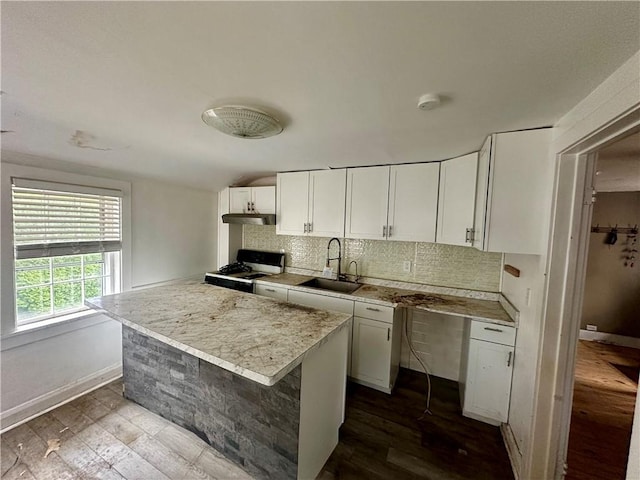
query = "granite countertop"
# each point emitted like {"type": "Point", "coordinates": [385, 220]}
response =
{"type": "Point", "coordinates": [256, 337]}
{"type": "Point", "coordinates": [497, 310]}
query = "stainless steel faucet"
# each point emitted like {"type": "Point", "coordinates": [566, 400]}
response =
{"type": "Point", "coordinates": [357, 277]}
{"type": "Point", "coordinates": [339, 257]}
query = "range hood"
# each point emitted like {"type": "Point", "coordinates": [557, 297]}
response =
{"type": "Point", "coordinates": [250, 218]}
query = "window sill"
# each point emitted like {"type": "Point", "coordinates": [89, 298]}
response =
{"type": "Point", "coordinates": [37, 331]}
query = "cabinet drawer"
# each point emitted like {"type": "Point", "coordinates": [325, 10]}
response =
{"type": "Point", "coordinates": [375, 312]}
{"type": "Point", "coordinates": [492, 332]}
{"type": "Point", "coordinates": [322, 302]}
{"type": "Point", "coordinates": [279, 293]}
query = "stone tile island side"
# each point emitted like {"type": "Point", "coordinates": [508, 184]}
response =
{"type": "Point", "coordinates": [261, 381]}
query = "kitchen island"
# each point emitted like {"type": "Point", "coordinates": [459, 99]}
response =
{"type": "Point", "coordinates": [261, 381]}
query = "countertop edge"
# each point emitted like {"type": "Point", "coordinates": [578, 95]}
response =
{"type": "Point", "coordinates": [243, 372]}
{"type": "Point", "coordinates": [511, 311]}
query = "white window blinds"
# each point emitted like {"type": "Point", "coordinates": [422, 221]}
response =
{"type": "Point", "coordinates": [54, 219]}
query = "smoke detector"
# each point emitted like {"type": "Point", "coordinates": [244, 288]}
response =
{"type": "Point", "coordinates": [242, 122]}
{"type": "Point", "coordinates": [428, 101]}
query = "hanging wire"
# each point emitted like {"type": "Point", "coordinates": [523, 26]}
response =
{"type": "Point", "coordinates": [424, 367]}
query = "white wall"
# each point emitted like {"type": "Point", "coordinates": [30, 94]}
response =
{"type": "Point", "coordinates": [598, 112]}
{"type": "Point", "coordinates": [173, 235]}
{"type": "Point", "coordinates": [524, 293]}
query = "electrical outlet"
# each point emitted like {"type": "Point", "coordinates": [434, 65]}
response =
{"type": "Point", "coordinates": [592, 328]}
{"type": "Point", "coordinates": [406, 266]}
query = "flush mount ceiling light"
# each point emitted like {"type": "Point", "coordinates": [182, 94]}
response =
{"type": "Point", "coordinates": [242, 122]}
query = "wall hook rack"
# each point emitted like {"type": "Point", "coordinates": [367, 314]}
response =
{"type": "Point", "coordinates": [621, 230]}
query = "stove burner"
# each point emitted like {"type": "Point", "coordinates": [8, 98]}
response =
{"type": "Point", "coordinates": [235, 267]}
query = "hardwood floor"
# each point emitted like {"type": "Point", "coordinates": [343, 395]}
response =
{"type": "Point", "coordinates": [602, 414]}
{"type": "Point", "coordinates": [384, 436]}
{"type": "Point", "coordinates": [102, 435]}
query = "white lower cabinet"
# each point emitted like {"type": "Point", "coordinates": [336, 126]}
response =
{"type": "Point", "coordinates": [487, 369]}
{"type": "Point", "coordinates": [279, 293]}
{"type": "Point", "coordinates": [324, 302]}
{"type": "Point", "coordinates": [375, 356]}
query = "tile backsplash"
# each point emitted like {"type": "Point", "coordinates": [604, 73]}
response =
{"type": "Point", "coordinates": [431, 263]}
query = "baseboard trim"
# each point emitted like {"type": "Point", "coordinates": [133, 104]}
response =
{"type": "Point", "coordinates": [515, 457]}
{"type": "Point", "coordinates": [20, 414]}
{"type": "Point", "coordinates": [612, 338]}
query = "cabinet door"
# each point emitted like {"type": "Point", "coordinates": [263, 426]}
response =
{"type": "Point", "coordinates": [413, 202]}
{"type": "Point", "coordinates": [516, 218]}
{"type": "Point", "coordinates": [327, 190]}
{"type": "Point", "coordinates": [264, 199]}
{"type": "Point", "coordinates": [457, 199]}
{"type": "Point", "coordinates": [488, 386]}
{"type": "Point", "coordinates": [292, 204]}
{"type": "Point", "coordinates": [482, 185]}
{"type": "Point", "coordinates": [367, 201]}
{"type": "Point", "coordinates": [239, 200]}
{"type": "Point", "coordinates": [371, 356]}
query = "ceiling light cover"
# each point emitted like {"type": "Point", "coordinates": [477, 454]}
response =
{"type": "Point", "coordinates": [242, 122]}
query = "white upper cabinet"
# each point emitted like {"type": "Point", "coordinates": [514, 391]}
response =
{"type": "Point", "coordinates": [367, 202]}
{"type": "Point", "coordinates": [252, 199]}
{"type": "Point", "coordinates": [311, 203]}
{"type": "Point", "coordinates": [413, 202]}
{"type": "Point", "coordinates": [457, 199]}
{"type": "Point", "coordinates": [327, 190]}
{"type": "Point", "coordinates": [292, 206]}
{"type": "Point", "coordinates": [518, 192]}
{"type": "Point", "coordinates": [482, 184]}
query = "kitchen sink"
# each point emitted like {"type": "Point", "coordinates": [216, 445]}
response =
{"type": "Point", "coordinates": [333, 285]}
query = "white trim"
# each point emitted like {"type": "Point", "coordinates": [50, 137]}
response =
{"type": "Point", "coordinates": [611, 338]}
{"type": "Point", "coordinates": [515, 456]}
{"type": "Point", "coordinates": [23, 413]}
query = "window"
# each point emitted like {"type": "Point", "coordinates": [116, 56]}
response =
{"type": "Point", "coordinates": [67, 242]}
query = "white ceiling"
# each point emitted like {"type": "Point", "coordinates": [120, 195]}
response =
{"type": "Point", "coordinates": [122, 85]}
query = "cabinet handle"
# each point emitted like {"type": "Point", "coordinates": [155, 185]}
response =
{"type": "Point", "coordinates": [509, 359]}
{"type": "Point", "coordinates": [384, 230]}
{"type": "Point", "coordinates": [468, 238]}
{"type": "Point", "coordinates": [248, 206]}
{"type": "Point", "coordinates": [309, 229]}
{"type": "Point", "coordinates": [493, 329]}
{"type": "Point", "coordinates": [389, 337]}
{"type": "Point", "coordinates": [253, 207]}
{"type": "Point", "coordinates": [270, 290]}
{"type": "Point", "coordinates": [373, 309]}
{"type": "Point", "coordinates": [390, 230]}
{"type": "Point", "coordinates": [305, 228]}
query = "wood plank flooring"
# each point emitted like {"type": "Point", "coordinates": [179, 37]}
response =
{"type": "Point", "coordinates": [602, 413]}
{"type": "Point", "coordinates": [387, 437]}
{"type": "Point", "coordinates": [103, 435]}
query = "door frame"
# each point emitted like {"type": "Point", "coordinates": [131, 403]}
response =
{"type": "Point", "coordinates": [564, 289]}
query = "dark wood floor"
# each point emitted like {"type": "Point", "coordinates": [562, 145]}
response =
{"type": "Point", "coordinates": [602, 415]}
{"type": "Point", "coordinates": [103, 435]}
{"type": "Point", "coordinates": [384, 437]}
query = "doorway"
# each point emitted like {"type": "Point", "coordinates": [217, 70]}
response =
{"type": "Point", "coordinates": [577, 174]}
{"type": "Point", "coordinates": [607, 363]}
